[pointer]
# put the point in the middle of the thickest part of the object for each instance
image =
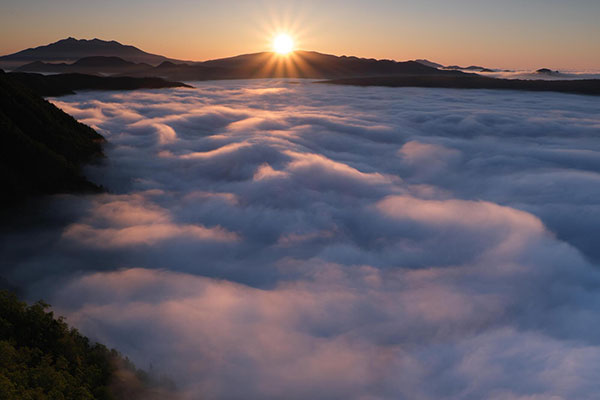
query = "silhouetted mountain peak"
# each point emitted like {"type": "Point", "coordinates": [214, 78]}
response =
{"type": "Point", "coordinates": [308, 64]}
{"type": "Point", "coordinates": [97, 56]}
{"type": "Point", "coordinates": [428, 63]}
{"type": "Point", "coordinates": [547, 71]}
{"type": "Point", "coordinates": [166, 64]}
{"type": "Point", "coordinates": [71, 50]}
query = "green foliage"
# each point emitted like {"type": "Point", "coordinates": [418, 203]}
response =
{"type": "Point", "coordinates": [42, 358]}
{"type": "Point", "coordinates": [41, 147]}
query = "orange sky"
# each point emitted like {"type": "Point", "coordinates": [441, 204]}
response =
{"type": "Point", "coordinates": [507, 34]}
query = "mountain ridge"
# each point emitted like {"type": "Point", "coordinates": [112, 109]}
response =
{"type": "Point", "coordinates": [99, 57]}
{"type": "Point", "coordinates": [57, 57]}
{"type": "Point", "coordinates": [472, 81]}
{"type": "Point", "coordinates": [71, 49]}
{"type": "Point", "coordinates": [93, 65]}
{"type": "Point", "coordinates": [299, 64]}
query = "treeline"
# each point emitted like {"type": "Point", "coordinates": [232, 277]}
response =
{"type": "Point", "coordinates": [41, 358]}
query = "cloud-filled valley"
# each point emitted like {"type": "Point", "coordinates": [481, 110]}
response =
{"type": "Point", "coordinates": [285, 239]}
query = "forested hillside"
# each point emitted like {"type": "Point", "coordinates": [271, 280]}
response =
{"type": "Point", "coordinates": [41, 147]}
{"type": "Point", "coordinates": [42, 358]}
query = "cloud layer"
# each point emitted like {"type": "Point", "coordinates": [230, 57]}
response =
{"type": "Point", "coordinates": [283, 239]}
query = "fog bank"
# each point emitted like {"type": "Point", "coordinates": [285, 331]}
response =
{"type": "Point", "coordinates": [282, 239]}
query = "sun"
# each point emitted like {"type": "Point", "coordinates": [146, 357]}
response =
{"type": "Point", "coordinates": [283, 44]}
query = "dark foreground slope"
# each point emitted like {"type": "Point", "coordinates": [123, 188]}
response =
{"type": "Point", "coordinates": [42, 358]}
{"type": "Point", "coordinates": [58, 85]}
{"type": "Point", "coordinates": [588, 86]}
{"type": "Point", "coordinates": [41, 147]}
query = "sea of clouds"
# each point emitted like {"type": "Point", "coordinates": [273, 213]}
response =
{"type": "Point", "coordinates": [287, 239]}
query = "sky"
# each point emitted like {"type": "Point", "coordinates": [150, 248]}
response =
{"type": "Point", "coordinates": [521, 34]}
{"type": "Point", "coordinates": [271, 239]}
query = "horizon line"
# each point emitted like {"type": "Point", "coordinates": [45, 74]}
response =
{"type": "Point", "coordinates": [512, 69]}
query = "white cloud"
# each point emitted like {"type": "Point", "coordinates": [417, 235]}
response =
{"type": "Point", "coordinates": [271, 239]}
{"type": "Point", "coordinates": [131, 220]}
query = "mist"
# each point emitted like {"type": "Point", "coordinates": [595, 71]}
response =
{"type": "Point", "coordinates": [286, 239]}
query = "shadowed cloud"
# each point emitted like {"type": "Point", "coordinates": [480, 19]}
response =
{"type": "Point", "coordinates": [282, 239]}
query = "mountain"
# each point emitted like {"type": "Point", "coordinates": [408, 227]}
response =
{"type": "Point", "coordinates": [116, 66]}
{"type": "Point", "coordinates": [106, 65]}
{"type": "Point", "coordinates": [41, 147]}
{"type": "Point", "coordinates": [110, 57]}
{"type": "Point", "coordinates": [310, 64]}
{"type": "Point", "coordinates": [430, 63]}
{"type": "Point", "coordinates": [300, 64]}
{"type": "Point", "coordinates": [71, 49]}
{"type": "Point", "coordinates": [472, 68]}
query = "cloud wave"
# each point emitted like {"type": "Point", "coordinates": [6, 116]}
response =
{"type": "Point", "coordinates": [285, 239]}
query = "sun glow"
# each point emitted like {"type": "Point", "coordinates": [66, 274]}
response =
{"type": "Point", "coordinates": [283, 44]}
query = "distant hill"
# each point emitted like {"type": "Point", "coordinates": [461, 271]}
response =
{"type": "Point", "coordinates": [116, 66]}
{"type": "Point", "coordinates": [62, 84]}
{"type": "Point", "coordinates": [472, 68]}
{"type": "Point", "coordinates": [88, 65]}
{"type": "Point", "coordinates": [71, 50]}
{"type": "Point", "coordinates": [548, 72]}
{"type": "Point", "coordinates": [41, 147]}
{"type": "Point", "coordinates": [473, 81]}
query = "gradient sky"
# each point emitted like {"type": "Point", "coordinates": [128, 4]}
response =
{"type": "Point", "coordinates": [503, 34]}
